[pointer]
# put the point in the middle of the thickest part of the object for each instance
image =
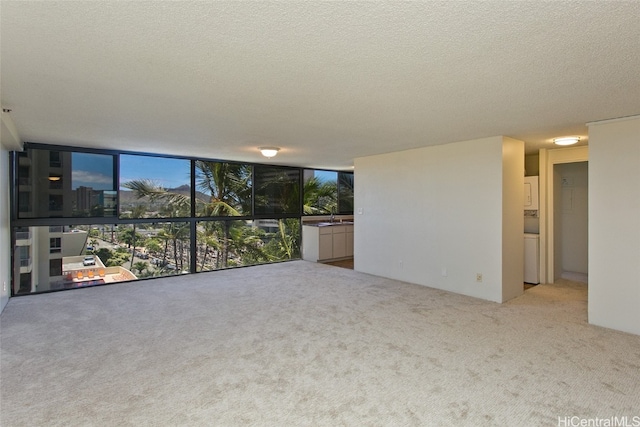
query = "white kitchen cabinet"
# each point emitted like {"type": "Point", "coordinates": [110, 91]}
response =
{"type": "Point", "coordinates": [325, 243]}
{"type": "Point", "coordinates": [349, 238]}
{"type": "Point", "coordinates": [339, 242]}
{"type": "Point", "coordinates": [531, 258]}
{"type": "Point", "coordinates": [531, 193]}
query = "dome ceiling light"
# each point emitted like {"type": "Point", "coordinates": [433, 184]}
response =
{"type": "Point", "coordinates": [269, 152]}
{"type": "Point", "coordinates": [570, 140]}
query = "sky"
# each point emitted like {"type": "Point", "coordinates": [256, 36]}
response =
{"type": "Point", "coordinates": [324, 176]}
{"type": "Point", "coordinates": [96, 170]}
{"type": "Point", "coordinates": [92, 170]}
{"type": "Point", "coordinates": [168, 173]}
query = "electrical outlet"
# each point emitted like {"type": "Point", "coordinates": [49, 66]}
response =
{"type": "Point", "coordinates": [478, 277]}
{"type": "Point", "coordinates": [401, 264]}
{"type": "Point", "coordinates": [4, 286]}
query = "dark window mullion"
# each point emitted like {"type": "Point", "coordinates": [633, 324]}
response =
{"type": "Point", "coordinates": [193, 238]}
{"type": "Point", "coordinates": [116, 174]}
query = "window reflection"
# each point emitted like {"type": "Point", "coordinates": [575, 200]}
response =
{"type": "Point", "coordinates": [345, 192]}
{"type": "Point", "coordinates": [277, 190]}
{"type": "Point", "coordinates": [65, 184]}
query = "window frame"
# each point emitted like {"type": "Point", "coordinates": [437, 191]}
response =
{"type": "Point", "coordinates": [193, 219]}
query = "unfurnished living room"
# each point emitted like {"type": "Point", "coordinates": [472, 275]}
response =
{"type": "Point", "coordinates": [312, 213]}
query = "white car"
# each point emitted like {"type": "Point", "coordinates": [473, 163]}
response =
{"type": "Point", "coordinates": [89, 260]}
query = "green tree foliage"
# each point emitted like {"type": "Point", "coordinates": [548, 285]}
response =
{"type": "Point", "coordinates": [277, 190]}
{"type": "Point", "coordinates": [228, 186]}
{"type": "Point", "coordinates": [112, 258]}
{"type": "Point", "coordinates": [224, 190]}
{"type": "Point", "coordinates": [346, 192]}
{"type": "Point", "coordinates": [104, 254]}
{"type": "Point", "coordinates": [320, 198]}
{"type": "Point", "coordinates": [173, 204]}
{"type": "Point", "coordinates": [118, 259]}
{"type": "Point", "coordinates": [140, 266]}
{"type": "Point", "coordinates": [153, 246]}
{"type": "Point", "coordinates": [129, 236]}
{"type": "Point", "coordinates": [137, 212]}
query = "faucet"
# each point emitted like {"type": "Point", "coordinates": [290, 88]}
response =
{"type": "Point", "coordinates": [333, 216]}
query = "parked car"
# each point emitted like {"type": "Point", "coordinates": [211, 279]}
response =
{"type": "Point", "coordinates": [89, 260]}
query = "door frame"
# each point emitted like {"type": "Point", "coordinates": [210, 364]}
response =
{"type": "Point", "coordinates": [548, 159]}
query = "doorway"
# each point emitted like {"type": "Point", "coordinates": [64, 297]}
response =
{"type": "Point", "coordinates": [571, 225]}
{"type": "Point", "coordinates": [549, 198]}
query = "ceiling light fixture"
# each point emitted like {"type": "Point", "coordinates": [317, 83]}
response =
{"type": "Point", "coordinates": [55, 178]}
{"type": "Point", "coordinates": [269, 152]}
{"type": "Point", "coordinates": [570, 140]}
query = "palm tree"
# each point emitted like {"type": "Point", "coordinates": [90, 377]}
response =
{"type": "Point", "coordinates": [320, 198]}
{"type": "Point", "coordinates": [224, 190]}
{"type": "Point", "coordinates": [247, 244]}
{"type": "Point", "coordinates": [175, 232]}
{"type": "Point", "coordinates": [229, 188]}
{"type": "Point", "coordinates": [226, 184]}
{"type": "Point", "coordinates": [289, 241]}
{"type": "Point", "coordinates": [140, 266]}
{"type": "Point", "coordinates": [175, 204]}
{"type": "Point", "coordinates": [207, 235]}
{"type": "Point", "coordinates": [137, 212]}
{"type": "Point", "coordinates": [277, 191]}
{"type": "Point", "coordinates": [285, 242]}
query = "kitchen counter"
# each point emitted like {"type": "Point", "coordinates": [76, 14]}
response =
{"type": "Point", "coordinates": [327, 241]}
{"type": "Point", "coordinates": [327, 224]}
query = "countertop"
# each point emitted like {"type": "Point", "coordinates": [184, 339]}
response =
{"type": "Point", "coordinates": [327, 224]}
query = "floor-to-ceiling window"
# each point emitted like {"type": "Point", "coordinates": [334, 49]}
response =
{"type": "Point", "coordinates": [84, 217]}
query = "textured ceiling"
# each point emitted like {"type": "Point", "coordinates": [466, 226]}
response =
{"type": "Point", "coordinates": [326, 81]}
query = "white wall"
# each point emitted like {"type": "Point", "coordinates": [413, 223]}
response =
{"type": "Point", "coordinates": [512, 218]}
{"type": "Point", "coordinates": [9, 141]}
{"type": "Point", "coordinates": [434, 216]}
{"type": "Point", "coordinates": [5, 236]}
{"type": "Point", "coordinates": [614, 224]}
{"type": "Point", "coordinates": [532, 165]}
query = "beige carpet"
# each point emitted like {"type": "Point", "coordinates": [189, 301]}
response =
{"type": "Point", "coordinates": [303, 344]}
